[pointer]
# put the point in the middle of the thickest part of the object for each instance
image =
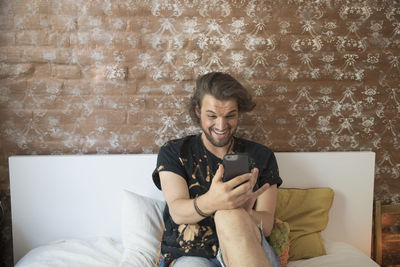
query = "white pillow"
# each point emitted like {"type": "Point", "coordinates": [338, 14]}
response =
{"type": "Point", "coordinates": [142, 228]}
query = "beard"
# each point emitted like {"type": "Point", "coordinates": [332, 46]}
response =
{"type": "Point", "coordinates": [218, 142]}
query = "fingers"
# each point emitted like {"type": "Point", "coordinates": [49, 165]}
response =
{"type": "Point", "coordinates": [251, 178]}
{"type": "Point", "coordinates": [254, 172]}
{"type": "Point", "coordinates": [238, 180]}
{"type": "Point", "coordinates": [239, 190]}
{"type": "Point", "coordinates": [262, 189]}
{"type": "Point", "coordinates": [218, 174]}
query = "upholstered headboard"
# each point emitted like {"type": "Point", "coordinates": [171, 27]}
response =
{"type": "Point", "coordinates": [79, 196]}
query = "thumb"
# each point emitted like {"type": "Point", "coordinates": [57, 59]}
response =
{"type": "Point", "coordinates": [219, 173]}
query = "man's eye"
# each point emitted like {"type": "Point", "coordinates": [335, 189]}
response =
{"type": "Point", "coordinates": [212, 117]}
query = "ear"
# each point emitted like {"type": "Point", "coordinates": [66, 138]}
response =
{"type": "Point", "coordinates": [197, 110]}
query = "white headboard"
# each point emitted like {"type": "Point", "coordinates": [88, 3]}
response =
{"type": "Point", "coordinates": [79, 196]}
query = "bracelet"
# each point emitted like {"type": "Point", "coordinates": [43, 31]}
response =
{"type": "Point", "coordinates": [196, 208]}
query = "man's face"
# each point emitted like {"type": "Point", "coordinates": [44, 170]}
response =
{"type": "Point", "coordinates": [218, 119]}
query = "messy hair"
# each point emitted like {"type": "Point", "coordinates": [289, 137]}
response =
{"type": "Point", "coordinates": [222, 86]}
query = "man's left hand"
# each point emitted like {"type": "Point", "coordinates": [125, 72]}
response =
{"type": "Point", "coordinates": [248, 205]}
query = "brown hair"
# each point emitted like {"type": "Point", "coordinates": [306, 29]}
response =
{"type": "Point", "coordinates": [222, 86]}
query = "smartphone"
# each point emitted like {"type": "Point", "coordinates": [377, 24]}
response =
{"type": "Point", "coordinates": [235, 165]}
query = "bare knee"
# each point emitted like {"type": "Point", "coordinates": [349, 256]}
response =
{"type": "Point", "coordinates": [238, 237]}
{"type": "Point", "coordinates": [235, 223]}
{"type": "Point", "coordinates": [228, 215]}
{"type": "Point", "coordinates": [229, 219]}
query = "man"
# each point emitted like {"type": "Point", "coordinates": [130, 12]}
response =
{"type": "Point", "coordinates": [209, 222]}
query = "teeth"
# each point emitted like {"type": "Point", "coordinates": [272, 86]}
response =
{"type": "Point", "coordinates": [218, 132]}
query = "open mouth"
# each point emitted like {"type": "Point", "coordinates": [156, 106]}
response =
{"type": "Point", "coordinates": [221, 133]}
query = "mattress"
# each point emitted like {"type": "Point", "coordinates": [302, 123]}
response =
{"type": "Point", "coordinates": [106, 252]}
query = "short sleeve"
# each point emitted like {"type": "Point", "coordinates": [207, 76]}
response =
{"type": "Point", "coordinates": [270, 171]}
{"type": "Point", "coordinates": [168, 159]}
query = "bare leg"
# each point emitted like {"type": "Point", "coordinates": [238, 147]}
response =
{"type": "Point", "coordinates": [239, 239]}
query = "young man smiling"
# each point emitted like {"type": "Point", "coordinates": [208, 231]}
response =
{"type": "Point", "coordinates": [209, 222]}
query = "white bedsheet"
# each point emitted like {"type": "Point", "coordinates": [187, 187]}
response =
{"type": "Point", "coordinates": [73, 253]}
{"type": "Point", "coordinates": [339, 254]}
{"type": "Point", "coordinates": [106, 252]}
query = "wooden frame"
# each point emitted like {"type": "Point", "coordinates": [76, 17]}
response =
{"type": "Point", "coordinates": [379, 210]}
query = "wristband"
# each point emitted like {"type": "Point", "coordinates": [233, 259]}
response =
{"type": "Point", "coordinates": [196, 208]}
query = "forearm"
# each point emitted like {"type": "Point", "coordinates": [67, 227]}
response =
{"type": "Point", "coordinates": [183, 210]}
{"type": "Point", "coordinates": [176, 193]}
{"type": "Point", "coordinates": [265, 218]}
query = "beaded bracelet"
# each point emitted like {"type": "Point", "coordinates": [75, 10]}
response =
{"type": "Point", "coordinates": [196, 208]}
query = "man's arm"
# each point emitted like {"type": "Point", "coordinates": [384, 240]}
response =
{"type": "Point", "coordinates": [176, 194]}
{"type": "Point", "coordinates": [221, 195]}
{"type": "Point", "coordinates": [265, 209]}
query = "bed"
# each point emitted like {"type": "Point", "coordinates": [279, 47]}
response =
{"type": "Point", "coordinates": [103, 210]}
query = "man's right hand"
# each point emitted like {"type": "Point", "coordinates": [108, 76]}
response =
{"type": "Point", "coordinates": [228, 195]}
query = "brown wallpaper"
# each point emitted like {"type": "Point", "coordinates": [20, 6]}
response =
{"type": "Point", "coordinates": [102, 76]}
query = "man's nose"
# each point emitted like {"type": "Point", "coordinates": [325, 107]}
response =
{"type": "Point", "coordinates": [220, 124]}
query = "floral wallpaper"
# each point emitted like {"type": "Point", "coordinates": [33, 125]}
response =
{"type": "Point", "coordinates": [102, 76]}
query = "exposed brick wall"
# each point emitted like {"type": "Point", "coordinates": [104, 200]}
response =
{"type": "Point", "coordinates": [107, 76]}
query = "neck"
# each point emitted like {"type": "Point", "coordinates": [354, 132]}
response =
{"type": "Point", "coordinates": [216, 150]}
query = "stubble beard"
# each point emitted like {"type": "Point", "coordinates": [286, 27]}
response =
{"type": "Point", "coordinates": [218, 143]}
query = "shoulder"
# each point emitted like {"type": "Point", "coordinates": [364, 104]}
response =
{"type": "Point", "coordinates": [252, 147]}
{"type": "Point", "coordinates": [177, 145]}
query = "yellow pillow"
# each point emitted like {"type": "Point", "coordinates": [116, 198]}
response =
{"type": "Point", "coordinates": [307, 213]}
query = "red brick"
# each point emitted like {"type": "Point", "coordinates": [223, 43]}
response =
{"type": "Point", "coordinates": [3, 54]}
{"type": "Point", "coordinates": [65, 8]}
{"type": "Point", "coordinates": [92, 8]}
{"type": "Point", "coordinates": [130, 87]}
{"type": "Point", "coordinates": [6, 22]}
{"type": "Point", "coordinates": [63, 23]}
{"type": "Point", "coordinates": [77, 87]}
{"type": "Point", "coordinates": [85, 56]}
{"type": "Point", "coordinates": [47, 54]}
{"type": "Point", "coordinates": [42, 71]}
{"type": "Point", "coordinates": [63, 56]}
{"type": "Point", "coordinates": [56, 118]}
{"type": "Point", "coordinates": [31, 7]}
{"type": "Point", "coordinates": [16, 87]}
{"type": "Point", "coordinates": [115, 24]}
{"type": "Point", "coordinates": [115, 103]}
{"type": "Point", "coordinates": [66, 72]}
{"type": "Point", "coordinates": [114, 72]}
{"type": "Point", "coordinates": [123, 40]}
{"type": "Point", "coordinates": [14, 54]}
{"type": "Point", "coordinates": [135, 24]}
{"type": "Point", "coordinates": [91, 39]}
{"type": "Point", "coordinates": [5, 96]}
{"type": "Point", "coordinates": [89, 23]}
{"type": "Point", "coordinates": [15, 70]}
{"type": "Point", "coordinates": [14, 117]}
{"type": "Point", "coordinates": [57, 39]}
{"type": "Point", "coordinates": [31, 22]}
{"type": "Point", "coordinates": [7, 38]}
{"type": "Point", "coordinates": [46, 86]}
{"type": "Point", "coordinates": [33, 38]}
{"type": "Point", "coordinates": [135, 75]}
{"type": "Point", "coordinates": [112, 88]}
{"type": "Point", "coordinates": [22, 7]}
{"type": "Point", "coordinates": [107, 117]}
{"type": "Point", "coordinates": [34, 54]}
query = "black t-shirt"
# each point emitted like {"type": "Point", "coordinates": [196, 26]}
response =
{"type": "Point", "coordinates": [189, 158]}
